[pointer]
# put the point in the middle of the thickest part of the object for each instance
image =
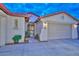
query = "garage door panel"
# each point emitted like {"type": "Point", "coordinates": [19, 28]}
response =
{"type": "Point", "coordinates": [59, 31]}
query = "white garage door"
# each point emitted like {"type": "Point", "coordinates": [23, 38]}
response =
{"type": "Point", "coordinates": [59, 31]}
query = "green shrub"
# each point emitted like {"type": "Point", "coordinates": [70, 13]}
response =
{"type": "Point", "coordinates": [16, 38]}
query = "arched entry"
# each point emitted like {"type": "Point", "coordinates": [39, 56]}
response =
{"type": "Point", "coordinates": [30, 31]}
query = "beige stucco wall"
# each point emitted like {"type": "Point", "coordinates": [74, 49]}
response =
{"type": "Point", "coordinates": [2, 30]}
{"type": "Point", "coordinates": [26, 26]}
{"type": "Point", "coordinates": [11, 31]}
{"type": "Point", "coordinates": [59, 18]}
{"type": "Point", "coordinates": [74, 33]}
{"type": "Point", "coordinates": [43, 35]}
{"type": "Point", "coordinates": [7, 30]}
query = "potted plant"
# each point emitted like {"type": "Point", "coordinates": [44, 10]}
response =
{"type": "Point", "coordinates": [16, 38]}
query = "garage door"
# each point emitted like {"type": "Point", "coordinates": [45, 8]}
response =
{"type": "Point", "coordinates": [59, 31]}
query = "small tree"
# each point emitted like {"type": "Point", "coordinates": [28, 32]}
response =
{"type": "Point", "coordinates": [16, 38]}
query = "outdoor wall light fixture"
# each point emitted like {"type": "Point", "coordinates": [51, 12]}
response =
{"type": "Point", "coordinates": [74, 26]}
{"type": "Point", "coordinates": [45, 25]}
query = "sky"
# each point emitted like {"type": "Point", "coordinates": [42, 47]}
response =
{"type": "Point", "coordinates": [43, 9]}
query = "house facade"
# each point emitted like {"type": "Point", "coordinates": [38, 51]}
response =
{"type": "Point", "coordinates": [56, 26]}
{"type": "Point", "coordinates": [11, 26]}
{"type": "Point", "coordinates": [60, 25]}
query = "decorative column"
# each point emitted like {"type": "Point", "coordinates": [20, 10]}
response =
{"type": "Point", "coordinates": [74, 31]}
{"type": "Point", "coordinates": [43, 34]}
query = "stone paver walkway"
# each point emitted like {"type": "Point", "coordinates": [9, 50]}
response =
{"type": "Point", "coordinates": [64, 47]}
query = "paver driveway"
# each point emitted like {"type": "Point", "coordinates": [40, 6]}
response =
{"type": "Point", "coordinates": [66, 47]}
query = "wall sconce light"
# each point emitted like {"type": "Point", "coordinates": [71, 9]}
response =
{"type": "Point", "coordinates": [45, 25]}
{"type": "Point", "coordinates": [74, 26]}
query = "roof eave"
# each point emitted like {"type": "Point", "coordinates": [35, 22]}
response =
{"type": "Point", "coordinates": [59, 13]}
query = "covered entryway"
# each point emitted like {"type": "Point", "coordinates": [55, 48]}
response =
{"type": "Point", "coordinates": [30, 32]}
{"type": "Point", "coordinates": [59, 30]}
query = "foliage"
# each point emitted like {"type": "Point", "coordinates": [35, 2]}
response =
{"type": "Point", "coordinates": [16, 38]}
